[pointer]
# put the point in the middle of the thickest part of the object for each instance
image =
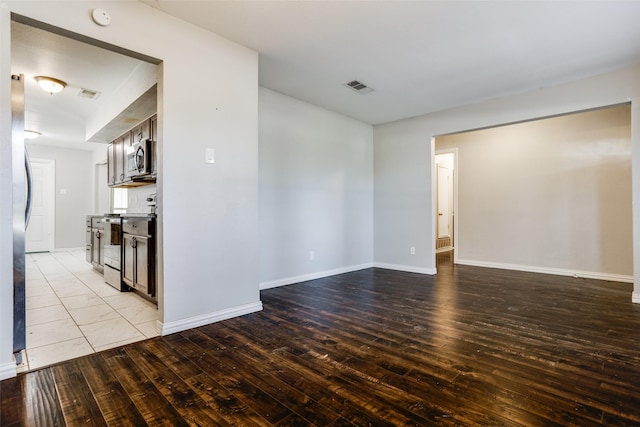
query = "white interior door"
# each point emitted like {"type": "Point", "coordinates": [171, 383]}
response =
{"type": "Point", "coordinates": [39, 234]}
{"type": "Point", "coordinates": [444, 183]}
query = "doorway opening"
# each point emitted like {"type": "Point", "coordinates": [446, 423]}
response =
{"type": "Point", "coordinates": [445, 162]}
{"type": "Point", "coordinates": [551, 195]}
{"type": "Point", "coordinates": [444, 202]}
{"type": "Point", "coordinates": [67, 310]}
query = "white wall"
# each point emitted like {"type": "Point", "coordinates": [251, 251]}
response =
{"type": "Point", "coordinates": [403, 158]}
{"type": "Point", "coordinates": [402, 198]}
{"type": "Point", "coordinates": [208, 97]}
{"type": "Point", "coordinates": [101, 195]}
{"type": "Point", "coordinates": [74, 174]}
{"type": "Point", "coordinates": [137, 198]}
{"type": "Point", "coordinates": [549, 195]}
{"type": "Point", "coordinates": [316, 191]}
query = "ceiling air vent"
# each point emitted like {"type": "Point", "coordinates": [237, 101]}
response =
{"type": "Point", "coordinates": [88, 93]}
{"type": "Point", "coordinates": [358, 86]}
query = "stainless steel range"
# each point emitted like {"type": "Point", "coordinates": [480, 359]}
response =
{"type": "Point", "coordinates": [112, 251]}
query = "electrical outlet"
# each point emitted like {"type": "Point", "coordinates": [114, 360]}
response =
{"type": "Point", "coordinates": [412, 250]}
{"type": "Point", "coordinates": [312, 256]}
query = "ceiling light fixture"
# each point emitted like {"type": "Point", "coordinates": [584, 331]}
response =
{"type": "Point", "coordinates": [31, 134]}
{"type": "Point", "coordinates": [49, 84]}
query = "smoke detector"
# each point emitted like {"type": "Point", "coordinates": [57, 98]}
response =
{"type": "Point", "coordinates": [101, 17]}
{"type": "Point", "coordinates": [359, 87]}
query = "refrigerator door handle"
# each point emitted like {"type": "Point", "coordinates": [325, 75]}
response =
{"type": "Point", "coordinates": [27, 209]}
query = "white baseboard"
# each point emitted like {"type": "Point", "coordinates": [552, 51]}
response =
{"type": "Point", "coordinates": [635, 297]}
{"type": "Point", "coordinates": [407, 268]}
{"type": "Point", "coordinates": [312, 276]}
{"type": "Point", "coordinates": [545, 270]}
{"type": "Point", "coordinates": [167, 328]}
{"type": "Point", "coordinates": [8, 370]}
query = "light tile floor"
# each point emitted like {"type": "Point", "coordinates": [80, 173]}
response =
{"type": "Point", "coordinates": [72, 312]}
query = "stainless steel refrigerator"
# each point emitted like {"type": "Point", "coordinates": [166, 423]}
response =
{"type": "Point", "coordinates": [21, 211]}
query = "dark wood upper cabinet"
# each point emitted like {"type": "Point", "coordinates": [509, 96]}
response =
{"type": "Point", "coordinates": [118, 149]}
{"type": "Point", "coordinates": [141, 132]}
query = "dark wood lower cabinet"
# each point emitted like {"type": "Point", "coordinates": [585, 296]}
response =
{"type": "Point", "coordinates": [97, 243]}
{"type": "Point", "coordinates": [138, 255]}
{"type": "Point", "coordinates": [138, 252]}
{"type": "Point", "coordinates": [469, 346]}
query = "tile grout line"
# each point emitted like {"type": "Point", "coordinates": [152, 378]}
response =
{"type": "Point", "coordinates": [59, 261]}
{"type": "Point", "coordinates": [103, 301]}
{"type": "Point", "coordinates": [63, 305]}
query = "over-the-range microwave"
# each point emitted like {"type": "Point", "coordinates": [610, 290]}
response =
{"type": "Point", "coordinates": [140, 159]}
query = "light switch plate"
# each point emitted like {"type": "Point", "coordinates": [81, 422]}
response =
{"type": "Point", "coordinates": [208, 155]}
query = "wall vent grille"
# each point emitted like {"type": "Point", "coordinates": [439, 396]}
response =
{"type": "Point", "coordinates": [358, 86]}
{"type": "Point", "coordinates": [88, 93]}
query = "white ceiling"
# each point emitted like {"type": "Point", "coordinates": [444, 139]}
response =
{"type": "Point", "coordinates": [62, 117]}
{"type": "Point", "coordinates": [420, 56]}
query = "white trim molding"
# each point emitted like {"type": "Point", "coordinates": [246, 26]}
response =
{"type": "Point", "coordinates": [312, 276]}
{"type": "Point", "coordinates": [8, 370]}
{"type": "Point", "coordinates": [205, 319]}
{"type": "Point", "coordinates": [406, 268]}
{"type": "Point", "coordinates": [546, 270]}
{"type": "Point", "coordinates": [635, 297]}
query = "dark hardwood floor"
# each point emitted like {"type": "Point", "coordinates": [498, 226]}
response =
{"type": "Point", "coordinates": [470, 346]}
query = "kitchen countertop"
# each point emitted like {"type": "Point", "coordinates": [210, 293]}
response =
{"type": "Point", "coordinates": [138, 215]}
{"type": "Point", "coordinates": [124, 215]}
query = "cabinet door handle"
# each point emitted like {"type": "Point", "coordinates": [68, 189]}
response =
{"type": "Point", "coordinates": [133, 242]}
{"type": "Point", "coordinates": [139, 157]}
{"type": "Point", "coordinates": [97, 235]}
